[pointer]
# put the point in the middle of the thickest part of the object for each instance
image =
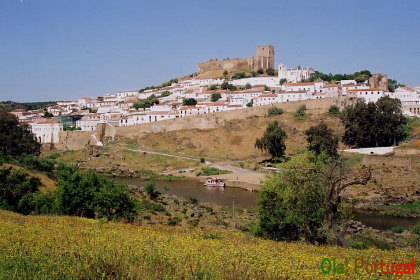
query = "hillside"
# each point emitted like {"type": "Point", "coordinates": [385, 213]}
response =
{"type": "Point", "coordinates": [76, 248]}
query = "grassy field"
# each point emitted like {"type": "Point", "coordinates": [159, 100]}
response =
{"type": "Point", "coordinates": [44, 247]}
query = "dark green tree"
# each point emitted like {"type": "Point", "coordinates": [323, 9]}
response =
{"type": "Point", "coordinates": [321, 139]}
{"type": "Point", "coordinates": [189, 102]}
{"type": "Point", "coordinates": [373, 124]}
{"type": "Point", "coordinates": [260, 71]}
{"type": "Point", "coordinates": [17, 189]}
{"type": "Point", "coordinates": [334, 110]}
{"type": "Point", "coordinates": [273, 141]}
{"type": "Point", "coordinates": [215, 97]}
{"type": "Point", "coordinates": [270, 71]}
{"type": "Point", "coordinates": [282, 81]}
{"type": "Point", "coordinates": [227, 86]}
{"type": "Point", "coordinates": [16, 139]}
{"type": "Point", "coordinates": [248, 86]}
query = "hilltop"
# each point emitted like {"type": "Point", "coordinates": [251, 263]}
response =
{"type": "Point", "coordinates": [78, 248]}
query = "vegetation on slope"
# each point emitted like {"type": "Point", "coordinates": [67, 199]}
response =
{"type": "Point", "coordinates": [78, 248]}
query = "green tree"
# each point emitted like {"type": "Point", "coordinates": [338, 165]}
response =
{"type": "Point", "coordinates": [305, 199]}
{"type": "Point", "coordinates": [250, 103]}
{"type": "Point", "coordinates": [212, 87]}
{"type": "Point", "coordinates": [321, 139]}
{"type": "Point", "coordinates": [373, 124]}
{"type": "Point", "coordinates": [16, 139]}
{"type": "Point", "coordinates": [189, 102]}
{"type": "Point", "coordinates": [282, 81]}
{"type": "Point", "coordinates": [290, 203]}
{"type": "Point", "coordinates": [273, 141]}
{"type": "Point", "coordinates": [215, 97]}
{"type": "Point", "coordinates": [248, 86]}
{"type": "Point", "coordinates": [86, 194]}
{"type": "Point", "coordinates": [227, 86]}
{"type": "Point", "coordinates": [48, 115]}
{"type": "Point", "coordinates": [146, 103]}
{"type": "Point", "coordinates": [225, 74]}
{"type": "Point", "coordinates": [270, 71]}
{"type": "Point", "coordinates": [150, 189]}
{"type": "Point", "coordinates": [274, 111]}
{"type": "Point", "coordinates": [300, 112]}
{"type": "Point", "coordinates": [334, 110]}
{"type": "Point", "coordinates": [17, 189]}
{"type": "Point", "coordinates": [260, 71]}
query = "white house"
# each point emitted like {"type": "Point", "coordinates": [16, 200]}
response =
{"type": "Point", "coordinates": [268, 81]}
{"type": "Point", "coordinates": [46, 130]}
{"type": "Point", "coordinates": [293, 96]}
{"type": "Point", "coordinates": [191, 110]}
{"type": "Point", "coordinates": [122, 95]}
{"type": "Point", "coordinates": [265, 99]}
{"type": "Point", "coordinates": [294, 75]}
{"type": "Point", "coordinates": [369, 95]}
{"type": "Point", "coordinates": [88, 122]}
{"type": "Point", "coordinates": [407, 95]}
{"type": "Point", "coordinates": [309, 86]}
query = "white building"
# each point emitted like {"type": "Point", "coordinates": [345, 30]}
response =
{"type": "Point", "coordinates": [88, 122]}
{"type": "Point", "coordinates": [266, 99]}
{"type": "Point", "coordinates": [268, 81]}
{"type": "Point", "coordinates": [294, 75]}
{"type": "Point", "coordinates": [122, 95]}
{"type": "Point", "coordinates": [310, 86]}
{"type": "Point", "coordinates": [46, 130]}
{"type": "Point", "coordinates": [407, 95]}
{"type": "Point", "coordinates": [369, 95]}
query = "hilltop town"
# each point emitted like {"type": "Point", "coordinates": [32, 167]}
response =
{"type": "Point", "coordinates": [243, 83]}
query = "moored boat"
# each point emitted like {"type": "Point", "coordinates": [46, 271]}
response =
{"type": "Point", "coordinates": [214, 182]}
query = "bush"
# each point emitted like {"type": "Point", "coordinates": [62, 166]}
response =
{"type": "Point", "coordinates": [250, 103]}
{"type": "Point", "coordinates": [260, 71]}
{"type": "Point", "coordinates": [212, 87]}
{"type": "Point", "coordinates": [151, 191]}
{"type": "Point", "coordinates": [189, 102]}
{"type": "Point", "coordinates": [215, 97]}
{"type": "Point", "coordinates": [300, 112]}
{"type": "Point", "coordinates": [248, 86]}
{"type": "Point", "coordinates": [194, 222]}
{"type": "Point", "coordinates": [211, 171]}
{"type": "Point", "coordinates": [173, 221]}
{"type": "Point", "coordinates": [334, 110]}
{"type": "Point", "coordinates": [274, 111]}
{"type": "Point", "coordinates": [202, 160]}
{"type": "Point", "coordinates": [397, 229]}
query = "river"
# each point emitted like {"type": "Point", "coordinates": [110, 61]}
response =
{"type": "Point", "coordinates": [246, 199]}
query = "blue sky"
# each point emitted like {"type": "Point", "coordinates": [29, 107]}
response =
{"type": "Point", "coordinates": [64, 49]}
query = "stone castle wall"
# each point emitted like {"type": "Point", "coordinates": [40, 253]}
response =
{"type": "Point", "coordinates": [214, 120]}
{"type": "Point", "coordinates": [264, 59]}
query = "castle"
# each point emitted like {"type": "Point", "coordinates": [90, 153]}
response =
{"type": "Point", "coordinates": [264, 60]}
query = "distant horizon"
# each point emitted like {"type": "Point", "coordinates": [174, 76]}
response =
{"type": "Point", "coordinates": [62, 50]}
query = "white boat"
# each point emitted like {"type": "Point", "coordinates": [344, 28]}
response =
{"type": "Point", "coordinates": [214, 182]}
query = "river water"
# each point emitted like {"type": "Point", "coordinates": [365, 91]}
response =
{"type": "Point", "coordinates": [247, 199]}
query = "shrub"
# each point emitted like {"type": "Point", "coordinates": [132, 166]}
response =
{"type": "Point", "coordinates": [215, 97]}
{"type": "Point", "coordinates": [202, 160]}
{"type": "Point", "coordinates": [397, 229]}
{"type": "Point", "coordinates": [189, 102]}
{"type": "Point", "coordinates": [300, 112]}
{"type": "Point", "coordinates": [274, 111]}
{"type": "Point", "coordinates": [173, 221]}
{"type": "Point", "coordinates": [151, 191]}
{"type": "Point", "coordinates": [334, 110]}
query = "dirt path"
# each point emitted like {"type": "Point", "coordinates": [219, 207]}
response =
{"type": "Point", "coordinates": [239, 177]}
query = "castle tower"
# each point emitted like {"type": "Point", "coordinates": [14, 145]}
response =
{"type": "Point", "coordinates": [266, 55]}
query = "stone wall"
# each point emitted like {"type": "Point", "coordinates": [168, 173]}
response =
{"type": "Point", "coordinates": [214, 120]}
{"type": "Point", "coordinates": [74, 140]}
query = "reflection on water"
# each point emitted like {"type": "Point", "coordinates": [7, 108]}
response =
{"type": "Point", "coordinates": [219, 196]}
{"type": "Point", "coordinates": [384, 222]}
{"type": "Point", "coordinates": [244, 198]}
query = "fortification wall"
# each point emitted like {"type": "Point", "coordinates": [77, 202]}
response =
{"type": "Point", "coordinates": [227, 64]}
{"type": "Point", "coordinates": [75, 140]}
{"type": "Point", "coordinates": [214, 120]}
